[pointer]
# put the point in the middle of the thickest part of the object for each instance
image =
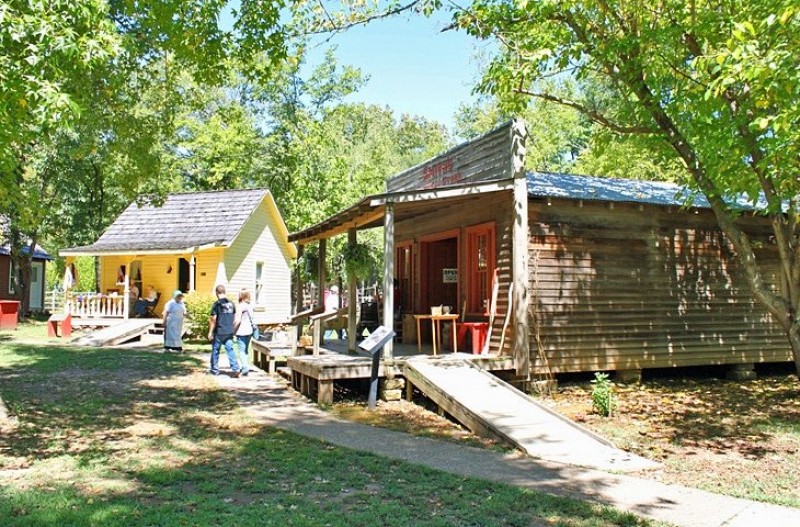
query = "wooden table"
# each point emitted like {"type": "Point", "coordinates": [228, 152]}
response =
{"type": "Point", "coordinates": [436, 321]}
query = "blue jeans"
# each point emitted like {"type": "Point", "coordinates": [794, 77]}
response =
{"type": "Point", "coordinates": [216, 344]}
{"type": "Point", "coordinates": [242, 343]}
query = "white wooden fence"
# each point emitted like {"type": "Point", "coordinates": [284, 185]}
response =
{"type": "Point", "coordinates": [94, 305]}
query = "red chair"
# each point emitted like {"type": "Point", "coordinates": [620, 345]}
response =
{"type": "Point", "coordinates": [477, 331]}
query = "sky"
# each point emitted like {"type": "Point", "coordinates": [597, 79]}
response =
{"type": "Point", "coordinates": [413, 67]}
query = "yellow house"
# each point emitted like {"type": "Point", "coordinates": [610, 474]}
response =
{"type": "Point", "coordinates": [193, 242]}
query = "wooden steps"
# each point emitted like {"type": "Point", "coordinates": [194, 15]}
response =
{"type": "Point", "coordinates": [488, 406]}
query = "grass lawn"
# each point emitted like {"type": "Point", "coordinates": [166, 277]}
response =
{"type": "Point", "coordinates": [740, 438]}
{"type": "Point", "coordinates": [129, 437]}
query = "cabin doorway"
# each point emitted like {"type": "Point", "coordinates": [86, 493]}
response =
{"type": "Point", "coordinates": [183, 275]}
{"type": "Point", "coordinates": [439, 273]}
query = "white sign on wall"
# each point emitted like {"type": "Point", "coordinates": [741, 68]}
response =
{"type": "Point", "coordinates": [449, 276]}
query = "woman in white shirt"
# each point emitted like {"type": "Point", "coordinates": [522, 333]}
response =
{"type": "Point", "coordinates": [245, 326]}
{"type": "Point", "coordinates": [174, 313]}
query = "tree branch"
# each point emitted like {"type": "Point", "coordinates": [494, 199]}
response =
{"type": "Point", "coordinates": [335, 28]}
{"type": "Point", "coordinates": [591, 114]}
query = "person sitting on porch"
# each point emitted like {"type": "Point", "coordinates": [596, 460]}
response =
{"type": "Point", "coordinates": [142, 305]}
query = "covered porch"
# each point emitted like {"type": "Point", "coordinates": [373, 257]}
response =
{"type": "Point", "coordinates": [124, 277]}
{"type": "Point", "coordinates": [449, 247]}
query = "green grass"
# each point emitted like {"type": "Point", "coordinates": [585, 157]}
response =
{"type": "Point", "coordinates": [129, 437]}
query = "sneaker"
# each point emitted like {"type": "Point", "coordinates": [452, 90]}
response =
{"type": "Point", "coordinates": [236, 374]}
{"type": "Point", "coordinates": [212, 372]}
{"type": "Point", "coordinates": [245, 373]}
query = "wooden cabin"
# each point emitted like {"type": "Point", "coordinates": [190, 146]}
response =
{"type": "Point", "coordinates": [192, 242]}
{"type": "Point", "coordinates": [584, 273]}
{"type": "Point", "coordinates": [7, 269]}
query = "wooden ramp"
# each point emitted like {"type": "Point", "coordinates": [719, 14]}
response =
{"type": "Point", "coordinates": [123, 331]}
{"type": "Point", "coordinates": [488, 406]}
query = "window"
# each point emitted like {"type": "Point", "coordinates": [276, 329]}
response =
{"type": "Point", "coordinates": [12, 272]}
{"type": "Point", "coordinates": [480, 267]}
{"type": "Point", "coordinates": [260, 297]}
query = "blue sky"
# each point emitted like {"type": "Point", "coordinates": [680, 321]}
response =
{"type": "Point", "coordinates": [413, 66]}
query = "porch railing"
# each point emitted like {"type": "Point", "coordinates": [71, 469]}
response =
{"type": "Point", "coordinates": [95, 305]}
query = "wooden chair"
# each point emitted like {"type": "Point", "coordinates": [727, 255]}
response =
{"type": "Point", "coordinates": [151, 306]}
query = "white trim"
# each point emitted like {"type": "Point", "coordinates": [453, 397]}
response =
{"type": "Point", "coordinates": [11, 290]}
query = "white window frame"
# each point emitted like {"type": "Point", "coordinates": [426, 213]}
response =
{"type": "Point", "coordinates": [11, 270]}
{"type": "Point", "coordinates": [258, 284]}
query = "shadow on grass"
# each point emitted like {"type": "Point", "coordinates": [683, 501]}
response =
{"type": "Point", "coordinates": [201, 463]}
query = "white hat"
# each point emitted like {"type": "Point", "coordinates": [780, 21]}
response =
{"type": "Point", "coordinates": [334, 289]}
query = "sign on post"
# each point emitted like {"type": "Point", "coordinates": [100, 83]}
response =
{"type": "Point", "coordinates": [373, 344]}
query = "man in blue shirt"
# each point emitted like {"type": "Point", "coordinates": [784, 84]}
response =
{"type": "Point", "coordinates": [221, 330]}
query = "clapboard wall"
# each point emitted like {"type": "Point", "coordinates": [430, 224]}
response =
{"type": "Point", "coordinates": [624, 286]}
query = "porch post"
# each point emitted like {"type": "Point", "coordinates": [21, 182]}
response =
{"type": "Point", "coordinates": [191, 273]}
{"type": "Point", "coordinates": [352, 298]}
{"type": "Point", "coordinates": [298, 280]}
{"type": "Point", "coordinates": [323, 244]}
{"type": "Point", "coordinates": [388, 276]}
{"type": "Point", "coordinates": [126, 301]}
{"type": "Point", "coordinates": [520, 257]}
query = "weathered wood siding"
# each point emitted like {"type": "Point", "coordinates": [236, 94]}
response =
{"type": "Point", "coordinates": [629, 287]}
{"type": "Point", "coordinates": [485, 158]}
{"type": "Point", "coordinates": [460, 214]}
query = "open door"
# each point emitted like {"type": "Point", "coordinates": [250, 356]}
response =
{"type": "Point", "coordinates": [183, 274]}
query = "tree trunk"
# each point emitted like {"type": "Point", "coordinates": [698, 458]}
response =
{"type": "Point", "coordinates": [794, 341]}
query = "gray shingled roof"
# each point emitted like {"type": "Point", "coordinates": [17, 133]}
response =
{"type": "Point", "coordinates": [548, 184]}
{"type": "Point", "coordinates": [187, 220]}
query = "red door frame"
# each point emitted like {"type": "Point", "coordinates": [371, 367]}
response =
{"type": "Point", "coordinates": [490, 230]}
{"type": "Point", "coordinates": [424, 241]}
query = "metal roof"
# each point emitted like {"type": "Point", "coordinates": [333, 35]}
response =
{"type": "Point", "coordinates": [184, 221]}
{"type": "Point", "coordinates": [571, 186]}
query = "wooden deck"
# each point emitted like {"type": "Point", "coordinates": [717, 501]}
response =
{"type": "Point", "coordinates": [315, 376]}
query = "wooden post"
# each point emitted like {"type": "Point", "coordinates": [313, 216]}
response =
{"type": "Point", "coordinates": [126, 300]}
{"type": "Point", "coordinates": [298, 300]}
{"type": "Point", "coordinates": [323, 243]}
{"type": "Point", "coordinates": [520, 257]}
{"type": "Point", "coordinates": [388, 275]}
{"type": "Point", "coordinates": [192, 264]}
{"type": "Point", "coordinates": [352, 299]}
{"type": "Point", "coordinates": [298, 280]}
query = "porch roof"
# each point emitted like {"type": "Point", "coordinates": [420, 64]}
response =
{"type": "Point", "coordinates": [186, 222]}
{"type": "Point", "coordinates": [369, 212]}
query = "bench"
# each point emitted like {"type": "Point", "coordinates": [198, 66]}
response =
{"type": "Point", "coordinates": [266, 355]}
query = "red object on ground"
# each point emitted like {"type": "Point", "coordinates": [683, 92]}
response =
{"type": "Point", "coordinates": [9, 314]}
{"type": "Point", "coordinates": [63, 320]}
{"type": "Point", "coordinates": [477, 332]}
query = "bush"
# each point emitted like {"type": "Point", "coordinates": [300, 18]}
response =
{"type": "Point", "coordinates": [198, 311]}
{"type": "Point", "coordinates": [603, 401]}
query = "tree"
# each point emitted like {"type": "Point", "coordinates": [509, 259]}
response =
{"type": "Point", "coordinates": [716, 84]}
{"type": "Point", "coordinates": [72, 77]}
{"type": "Point", "coordinates": [562, 139]}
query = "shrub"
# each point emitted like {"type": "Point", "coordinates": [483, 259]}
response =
{"type": "Point", "coordinates": [603, 401]}
{"type": "Point", "coordinates": [198, 311]}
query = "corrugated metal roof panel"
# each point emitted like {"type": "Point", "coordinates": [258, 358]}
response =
{"type": "Point", "coordinates": [571, 186]}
